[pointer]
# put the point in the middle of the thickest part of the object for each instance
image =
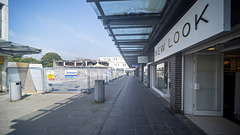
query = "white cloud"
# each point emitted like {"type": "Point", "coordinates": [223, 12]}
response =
{"type": "Point", "coordinates": [12, 34]}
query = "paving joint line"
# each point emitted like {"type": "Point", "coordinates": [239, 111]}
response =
{"type": "Point", "coordinates": [98, 129]}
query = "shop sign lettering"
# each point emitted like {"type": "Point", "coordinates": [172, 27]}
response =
{"type": "Point", "coordinates": [186, 29]}
{"type": "Point", "coordinates": [200, 22]}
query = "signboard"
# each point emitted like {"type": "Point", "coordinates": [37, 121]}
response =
{"type": "Point", "coordinates": [50, 74]}
{"type": "Point", "coordinates": [142, 59]}
{"type": "Point", "coordinates": [203, 20]}
{"type": "Point", "coordinates": [71, 73]}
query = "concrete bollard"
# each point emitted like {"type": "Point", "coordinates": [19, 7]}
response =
{"type": "Point", "coordinates": [99, 91]}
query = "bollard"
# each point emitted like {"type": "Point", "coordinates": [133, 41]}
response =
{"type": "Point", "coordinates": [99, 91]}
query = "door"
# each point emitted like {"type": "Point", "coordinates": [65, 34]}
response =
{"type": "Point", "coordinates": [207, 93]}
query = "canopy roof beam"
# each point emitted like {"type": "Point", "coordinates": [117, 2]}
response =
{"type": "Point", "coordinates": [132, 16]}
{"type": "Point", "coordinates": [128, 27]}
{"type": "Point", "coordinates": [104, 20]}
{"type": "Point", "coordinates": [133, 48]}
{"type": "Point", "coordinates": [132, 52]}
{"type": "Point", "coordinates": [10, 48]}
{"type": "Point", "coordinates": [136, 34]}
{"type": "Point", "coordinates": [135, 21]}
{"type": "Point", "coordinates": [131, 43]}
{"type": "Point", "coordinates": [132, 40]}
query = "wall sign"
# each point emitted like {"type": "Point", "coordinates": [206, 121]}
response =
{"type": "Point", "coordinates": [142, 59]}
{"type": "Point", "coordinates": [50, 74]}
{"type": "Point", "coordinates": [70, 73]}
{"type": "Point", "coordinates": [203, 20]}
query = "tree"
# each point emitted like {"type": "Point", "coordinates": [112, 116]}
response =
{"type": "Point", "coordinates": [47, 59]}
{"type": "Point", "coordinates": [15, 58]}
{"type": "Point", "coordinates": [29, 60]}
{"type": "Point", "coordinates": [23, 60]}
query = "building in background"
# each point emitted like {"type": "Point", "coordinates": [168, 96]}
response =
{"type": "Point", "coordinates": [79, 63]}
{"type": "Point", "coordinates": [117, 63]}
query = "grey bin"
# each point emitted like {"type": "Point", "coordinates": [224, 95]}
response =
{"type": "Point", "coordinates": [99, 91]}
{"type": "Point", "coordinates": [15, 90]}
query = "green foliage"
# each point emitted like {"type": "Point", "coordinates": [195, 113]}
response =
{"type": "Point", "coordinates": [14, 59]}
{"type": "Point", "coordinates": [29, 60]}
{"type": "Point", "coordinates": [23, 60]}
{"type": "Point", "coordinates": [47, 59]}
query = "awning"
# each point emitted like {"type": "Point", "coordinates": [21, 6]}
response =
{"type": "Point", "coordinates": [134, 25]}
{"type": "Point", "coordinates": [130, 23]}
{"type": "Point", "coordinates": [8, 48]}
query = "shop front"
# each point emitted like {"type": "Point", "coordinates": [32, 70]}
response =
{"type": "Point", "coordinates": [211, 78]}
{"type": "Point", "coordinates": [161, 79]}
{"type": "Point", "coordinates": [197, 61]}
{"type": "Point", "coordinates": [203, 83]}
{"type": "Point", "coordinates": [211, 74]}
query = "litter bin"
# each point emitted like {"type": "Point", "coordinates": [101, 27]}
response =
{"type": "Point", "coordinates": [99, 91]}
{"type": "Point", "coordinates": [15, 90]}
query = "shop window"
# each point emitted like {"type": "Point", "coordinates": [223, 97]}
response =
{"type": "Point", "coordinates": [145, 74]}
{"type": "Point", "coordinates": [161, 80]}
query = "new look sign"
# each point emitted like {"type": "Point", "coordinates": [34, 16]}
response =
{"type": "Point", "coordinates": [203, 20]}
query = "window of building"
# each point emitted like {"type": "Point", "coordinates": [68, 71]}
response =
{"type": "Point", "coordinates": [145, 74]}
{"type": "Point", "coordinates": [161, 79]}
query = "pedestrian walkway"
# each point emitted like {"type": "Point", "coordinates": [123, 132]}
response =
{"type": "Point", "coordinates": [215, 125]}
{"type": "Point", "coordinates": [11, 111]}
{"type": "Point", "coordinates": [138, 111]}
{"type": "Point", "coordinates": [130, 109]}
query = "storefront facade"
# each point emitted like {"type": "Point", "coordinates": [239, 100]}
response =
{"type": "Point", "coordinates": [192, 50]}
{"type": "Point", "coordinates": [196, 64]}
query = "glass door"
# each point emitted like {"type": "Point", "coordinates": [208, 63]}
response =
{"type": "Point", "coordinates": [207, 99]}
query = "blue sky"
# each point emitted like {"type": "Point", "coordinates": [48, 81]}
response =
{"type": "Point", "coordinates": [67, 27]}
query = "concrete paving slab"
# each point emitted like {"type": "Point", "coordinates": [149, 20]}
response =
{"type": "Point", "coordinates": [9, 111]}
{"type": "Point", "coordinates": [130, 108]}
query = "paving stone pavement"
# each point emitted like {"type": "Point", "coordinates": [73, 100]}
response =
{"type": "Point", "coordinates": [138, 111]}
{"type": "Point", "coordinates": [130, 109]}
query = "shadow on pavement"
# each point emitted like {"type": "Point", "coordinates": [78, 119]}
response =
{"type": "Point", "coordinates": [75, 115]}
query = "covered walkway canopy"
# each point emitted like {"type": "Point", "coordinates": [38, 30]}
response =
{"type": "Point", "coordinates": [8, 48]}
{"type": "Point", "coordinates": [136, 26]}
